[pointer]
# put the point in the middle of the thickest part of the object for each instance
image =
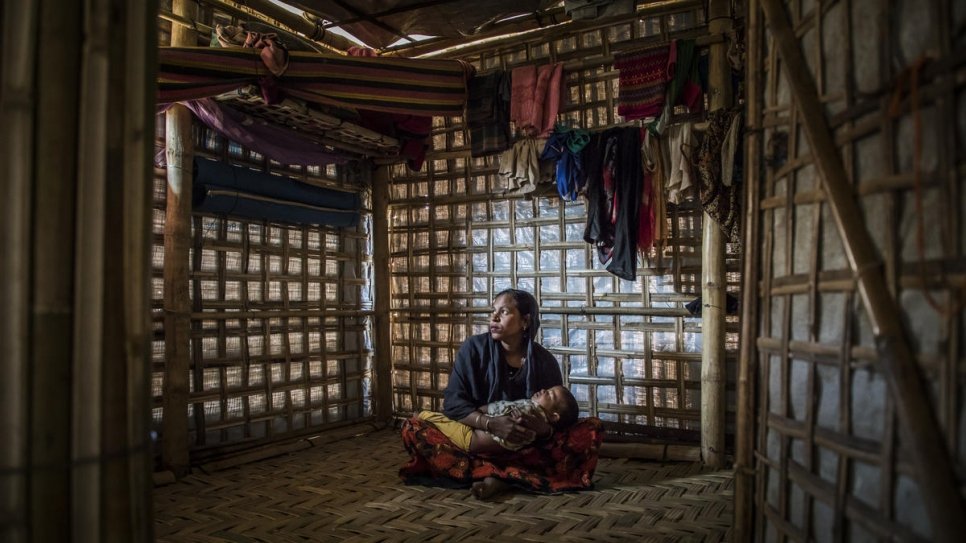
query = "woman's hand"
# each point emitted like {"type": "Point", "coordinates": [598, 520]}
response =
{"type": "Point", "coordinates": [509, 429]}
{"type": "Point", "coordinates": [538, 425]}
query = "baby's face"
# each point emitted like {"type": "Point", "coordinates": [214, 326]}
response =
{"type": "Point", "coordinates": [550, 399]}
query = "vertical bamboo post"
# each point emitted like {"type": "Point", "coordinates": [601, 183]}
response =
{"type": "Point", "coordinates": [748, 358]}
{"type": "Point", "coordinates": [17, 103]}
{"type": "Point", "coordinates": [922, 437]}
{"type": "Point", "coordinates": [127, 482]}
{"type": "Point", "coordinates": [179, 151]}
{"type": "Point", "coordinates": [52, 282]}
{"type": "Point", "coordinates": [91, 343]}
{"type": "Point", "coordinates": [382, 285]}
{"type": "Point", "coordinates": [713, 265]}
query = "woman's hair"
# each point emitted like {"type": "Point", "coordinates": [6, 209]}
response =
{"type": "Point", "coordinates": [526, 305]}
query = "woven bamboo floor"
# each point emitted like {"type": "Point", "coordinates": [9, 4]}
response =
{"type": "Point", "coordinates": [349, 491]}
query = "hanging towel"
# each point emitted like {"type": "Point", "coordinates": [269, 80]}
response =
{"type": "Point", "coordinates": [535, 98]}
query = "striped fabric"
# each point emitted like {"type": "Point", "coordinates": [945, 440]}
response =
{"type": "Point", "coordinates": [393, 85]}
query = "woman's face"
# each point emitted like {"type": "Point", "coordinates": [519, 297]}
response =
{"type": "Point", "coordinates": [506, 322]}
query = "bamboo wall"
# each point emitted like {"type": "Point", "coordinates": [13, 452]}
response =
{"type": "Point", "coordinates": [280, 316]}
{"type": "Point", "coordinates": [833, 460]}
{"type": "Point", "coordinates": [76, 88]}
{"type": "Point", "coordinates": [628, 350]}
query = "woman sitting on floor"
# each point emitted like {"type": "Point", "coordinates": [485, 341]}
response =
{"type": "Point", "coordinates": [503, 364]}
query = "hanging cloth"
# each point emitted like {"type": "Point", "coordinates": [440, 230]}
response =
{"type": "Point", "coordinates": [654, 162]}
{"type": "Point", "coordinates": [642, 82]}
{"type": "Point", "coordinates": [520, 166]}
{"type": "Point", "coordinates": [614, 181]}
{"type": "Point", "coordinates": [488, 113]}
{"type": "Point", "coordinates": [564, 146]}
{"type": "Point", "coordinates": [645, 222]}
{"type": "Point", "coordinates": [535, 97]}
{"type": "Point", "coordinates": [722, 202]}
{"type": "Point", "coordinates": [680, 148]}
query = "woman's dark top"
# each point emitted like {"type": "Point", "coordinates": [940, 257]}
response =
{"type": "Point", "coordinates": [480, 376]}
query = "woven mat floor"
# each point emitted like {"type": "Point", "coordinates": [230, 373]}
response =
{"type": "Point", "coordinates": [349, 491]}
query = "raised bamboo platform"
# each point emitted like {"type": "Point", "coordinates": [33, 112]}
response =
{"type": "Point", "coordinates": [349, 491]}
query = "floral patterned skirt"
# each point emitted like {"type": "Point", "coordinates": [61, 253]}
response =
{"type": "Point", "coordinates": [566, 461]}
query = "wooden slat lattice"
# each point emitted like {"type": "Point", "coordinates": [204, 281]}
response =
{"type": "Point", "coordinates": [280, 315]}
{"type": "Point", "coordinates": [831, 463]}
{"type": "Point", "coordinates": [629, 350]}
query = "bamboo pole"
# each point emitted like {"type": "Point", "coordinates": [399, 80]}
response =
{"type": "Point", "coordinates": [89, 349]}
{"type": "Point", "coordinates": [748, 358]}
{"type": "Point", "coordinates": [17, 104]}
{"type": "Point", "coordinates": [179, 146]}
{"type": "Point", "coordinates": [383, 292]}
{"type": "Point", "coordinates": [272, 14]}
{"type": "Point", "coordinates": [128, 468]}
{"type": "Point", "coordinates": [52, 270]}
{"type": "Point", "coordinates": [921, 432]}
{"type": "Point", "coordinates": [517, 32]}
{"type": "Point", "coordinates": [713, 266]}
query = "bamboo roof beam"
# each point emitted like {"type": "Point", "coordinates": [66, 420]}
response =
{"type": "Point", "coordinates": [921, 432]}
{"type": "Point", "coordinates": [536, 26]}
{"type": "Point", "coordinates": [275, 15]}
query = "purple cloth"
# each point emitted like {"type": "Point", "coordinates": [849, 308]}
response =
{"type": "Point", "coordinates": [277, 143]}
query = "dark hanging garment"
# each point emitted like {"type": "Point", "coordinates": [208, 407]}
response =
{"type": "Point", "coordinates": [614, 179]}
{"type": "Point", "coordinates": [599, 231]}
{"type": "Point", "coordinates": [488, 113]}
{"type": "Point", "coordinates": [629, 178]}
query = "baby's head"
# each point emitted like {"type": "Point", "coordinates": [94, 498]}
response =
{"type": "Point", "coordinates": [560, 405]}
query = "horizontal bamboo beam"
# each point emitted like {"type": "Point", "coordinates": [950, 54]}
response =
{"type": "Point", "coordinates": [923, 437]}
{"type": "Point", "coordinates": [517, 31]}
{"type": "Point", "coordinates": [640, 311]}
{"type": "Point", "coordinates": [275, 15]}
{"type": "Point", "coordinates": [273, 314]}
{"type": "Point", "coordinates": [172, 17]}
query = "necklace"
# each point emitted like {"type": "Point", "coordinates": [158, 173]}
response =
{"type": "Point", "coordinates": [512, 371]}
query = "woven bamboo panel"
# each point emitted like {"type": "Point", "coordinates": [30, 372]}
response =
{"type": "Point", "coordinates": [280, 318]}
{"type": "Point", "coordinates": [832, 464]}
{"type": "Point", "coordinates": [325, 128]}
{"type": "Point", "coordinates": [629, 350]}
{"type": "Point", "coordinates": [349, 491]}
